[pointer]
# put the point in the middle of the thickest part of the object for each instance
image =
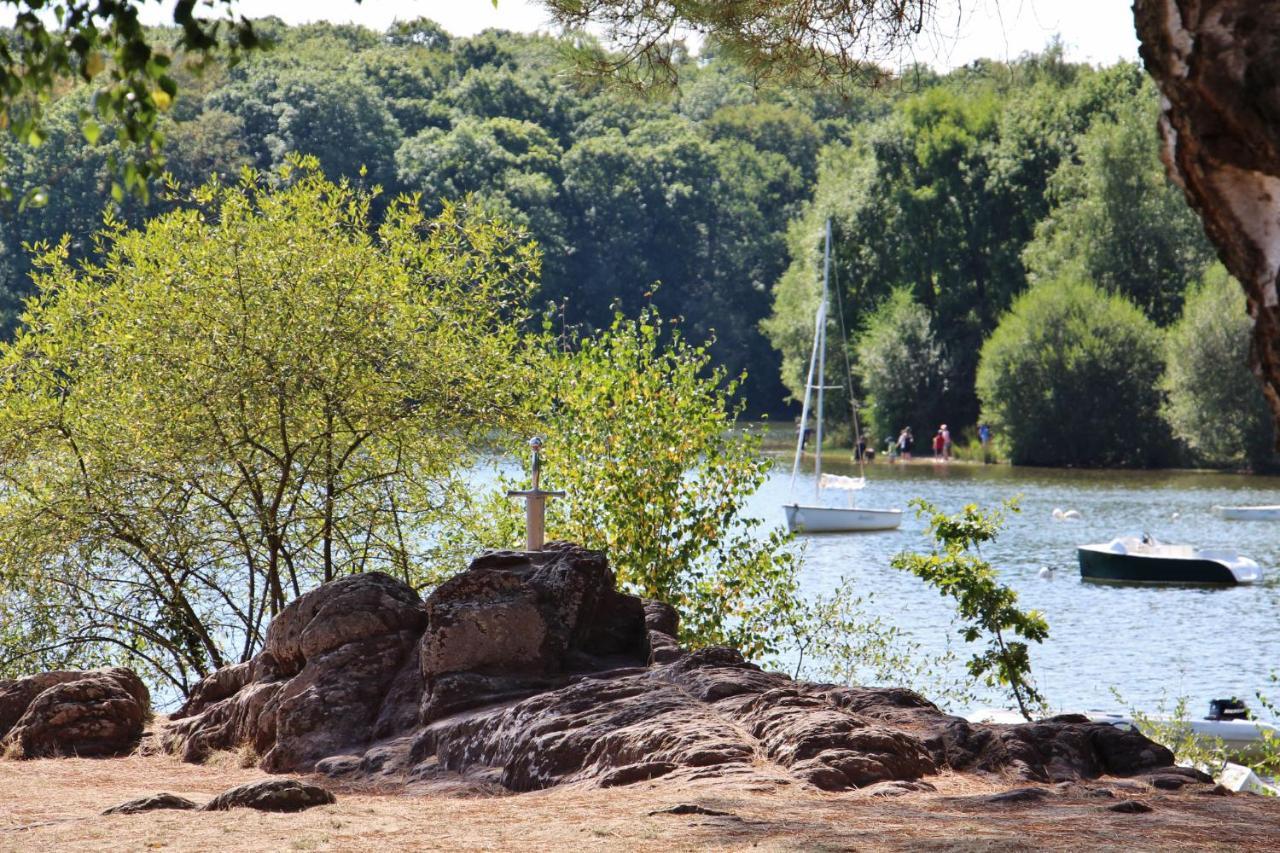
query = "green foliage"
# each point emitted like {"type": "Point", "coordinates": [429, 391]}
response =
{"type": "Point", "coordinates": [640, 431]}
{"type": "Point", "coordinates": [901, 367]}
{"type": "Point", "coordinates": [1172, 728]}
{"type": "Point", "coordinates": [102, 44]}
{"type": "Point", "coordinates": [1118, 221]}
{"type": "Point", "coordinates": [1215, 404]}
{"type": "Point", "coordinates": [940, 198]}
{"type": "Point", "coordinates": [988, 608]}
{"type": "Point", "coordinates": [259, 391]}
{"type": "Point", "coordinates": [836, 638]}
{"type": "Point", "coordinates": [1071, 377]}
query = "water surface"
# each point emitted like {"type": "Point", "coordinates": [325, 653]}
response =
{"type": "Point", "coordinates": [1151, 644]}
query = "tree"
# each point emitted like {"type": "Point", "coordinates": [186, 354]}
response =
{"type": "Point", "coordinates": [1117, 220]}
{"type": "Point", "coordinates": [900, 367]}
{"type": "Point", "coordinates": [102, 43]}
{"type": "Point", "coordinates": [1071, 377]}
{"type": "Point", "coordinates": [667, 496]}
{"type": "Point", "coordinates": [257, 392]}
{"type": "Point", "coordinates": [333, 115]}
{"type": "Point", "coordinates": [1220, 121]}
{"type": "Point", "coordinates": [1215, 404]}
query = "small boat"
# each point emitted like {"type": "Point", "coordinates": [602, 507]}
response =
{"type": "Point", "coordinates": [816, 517]}
{"type": "Point", "coordinates": [1228, 724]}
{"type": "Point", "coordinates": [1249, 513]}
{"type": "Point", "coordinates": [1145, 560]}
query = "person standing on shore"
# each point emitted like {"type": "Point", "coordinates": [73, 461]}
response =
{"type": "Point", "coordinates": [946, 442]}
{"type": "Point", "coordinates": [937, 446]}
{"type": "Point", "coordinates": [984, 436]}
{"type": "Point", "coordinates": [904, 443]}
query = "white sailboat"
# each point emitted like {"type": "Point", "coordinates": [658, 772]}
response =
{"type": "Point", "coordinates": [815, 517]}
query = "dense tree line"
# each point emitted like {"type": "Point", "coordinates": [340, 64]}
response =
{"type": "Point", "coordinates": [681, 202]}
{"type": "Point", "coordinates": [951, 195]}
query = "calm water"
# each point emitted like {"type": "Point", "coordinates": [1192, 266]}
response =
{"type": "Point", "coordinates": [1152, 644]}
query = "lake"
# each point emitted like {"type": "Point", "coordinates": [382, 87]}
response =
{"type": "Point", "coordinates": [1151, 644]}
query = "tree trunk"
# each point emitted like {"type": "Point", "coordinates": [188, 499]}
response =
{"type": "Point", "coordinates": [1217, 65]}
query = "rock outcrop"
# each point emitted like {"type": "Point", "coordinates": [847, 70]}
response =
{"type": "Point", "coordinates": [531, 670]}
{"type": "Point", "coordinates": [85, 713]}
{"type": "Point", "coordinates": [273, 795]}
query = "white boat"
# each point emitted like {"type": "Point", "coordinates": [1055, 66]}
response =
{"type": "Point", "coordinates": [1239, 737]}
{"type": "Point", "coordinates": [1249, 513]}
{"type": "Point", "coordinates": [1133, 559]}
{"type": "Point", "coordinates": [817, 517]}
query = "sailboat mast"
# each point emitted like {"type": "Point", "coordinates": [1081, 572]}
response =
{"type": "Point", "coordinates": [808, 395]}
{"type": "Point", "coordinates": [821, 342]}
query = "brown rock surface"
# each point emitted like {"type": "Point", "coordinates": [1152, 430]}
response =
{"type": "Point", "coordinates": [99, 712]}
{"type": "Point", "coordinates": [271, 795]}
{"type": "Point", "coordinates": [152, 803]}
{"type": "Point", "coordinates": [530, 671]}
{"type": "Point", "coordinates": [319, 684]}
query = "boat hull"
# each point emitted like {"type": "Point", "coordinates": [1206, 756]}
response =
{"type": "Point", "coordinates": [827, 519]}
{"type": "Point", "coordinates": [1249, 513]}
{"type": "Point", "coordinates": [1106, 567]}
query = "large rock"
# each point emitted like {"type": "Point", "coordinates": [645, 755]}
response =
{"type": "Point", "coordinates": [16, 695]}
{"type": "Point", "coordinates": [272, 795]}
{"type": "Point", "coordinates": [319, 684]}
{"type": "Point", "coordinates": [515, 622]}
{"type": "Point", "coordinates": [531, 670]}
{"type": "Point", "coordinates": [100, 712]}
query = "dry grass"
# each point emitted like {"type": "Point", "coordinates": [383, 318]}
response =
{"type": "Point", "coordinates": [56, 805]}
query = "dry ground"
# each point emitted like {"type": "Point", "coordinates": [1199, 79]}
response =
{"type": "Point", "coordinates": [55, 805]}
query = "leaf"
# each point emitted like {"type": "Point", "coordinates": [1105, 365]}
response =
{"type": "Point", "coordinates": [91, 130]}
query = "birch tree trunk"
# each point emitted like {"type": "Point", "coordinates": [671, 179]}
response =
{"type": "Point", "coordinates": [1217, 65]}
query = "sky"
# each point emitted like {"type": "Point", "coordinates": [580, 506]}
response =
{"type": "Point", "coordinates": [1095, 31]}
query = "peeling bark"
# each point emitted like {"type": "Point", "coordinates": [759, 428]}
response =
{"type": "Point", "coordinates": [1217, 65]}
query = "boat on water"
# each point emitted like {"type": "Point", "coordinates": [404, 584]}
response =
{"type": "Point", "coordinates": [816, 517]}
{"type": "Point", "coordinates": [1249, 513]}
{"type": "Point", "coordinates": [1228, 725]}
{"type": "Point", "coordinates": [1144, 559]}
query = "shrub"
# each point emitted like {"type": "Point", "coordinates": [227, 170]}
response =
{"type": "Point", "coordinates": [901, 366]}
{"type": "Point", "coordinates": [640, 431]}
{"type": "Point", "coordinates": [1071, 377]}
{"type": "Point", "coordinates": [1215, 403]}
{"type": "Point", "coordinates": [259, 391]}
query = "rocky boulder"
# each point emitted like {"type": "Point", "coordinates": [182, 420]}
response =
{"type": "Point", "coordinates": [273, 795]}
{"type": "Point", "coordinates": [319, 684]}
{"type": "Point", "coordinates": [515, 622]}
{"type": "Point", "coordinates": [96, 712]}
{"type": "Point", "coordinates": [531, 670]}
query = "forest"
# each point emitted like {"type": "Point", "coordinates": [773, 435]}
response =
{"type": "Point", "coordinates": [1008, 248]}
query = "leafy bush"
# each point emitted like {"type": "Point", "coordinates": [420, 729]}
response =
{"type": "Point", "coordinates": [1215, 403]}
{"type": "Point", "coordinates": [901, 367]}
{"type": "Point", "coordinates": [640, 431]}
{"type": "Point", "coordinates": [989, 607]}
{"type": "Point", "coordinates": [255, 393]}
{"type": "Point", "coordinates": [837, 638]}
{"type": "Point", "coordinates": [1071, 377]}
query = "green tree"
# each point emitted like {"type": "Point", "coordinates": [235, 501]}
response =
{"type": "Point", "coordinates": [956, 568]}
{"type": "Point", "coordinates": [1118, 221]}
{"type": "Point", "coordinates": [333, 115]}
{"type": "Point", "coordinates": [259, 391]}
{"type": "Point", "coordinates": [641, 433]}
{"type": "Point", "coordinates": [901, 367]}
{"type": "Point", "coordinates": [1215, 404]}
{"type": "Point", "coordinates": [1071, 377]}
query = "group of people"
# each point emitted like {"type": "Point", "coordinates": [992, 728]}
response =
{"type": "Point", "coordinates": [900, 448]}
